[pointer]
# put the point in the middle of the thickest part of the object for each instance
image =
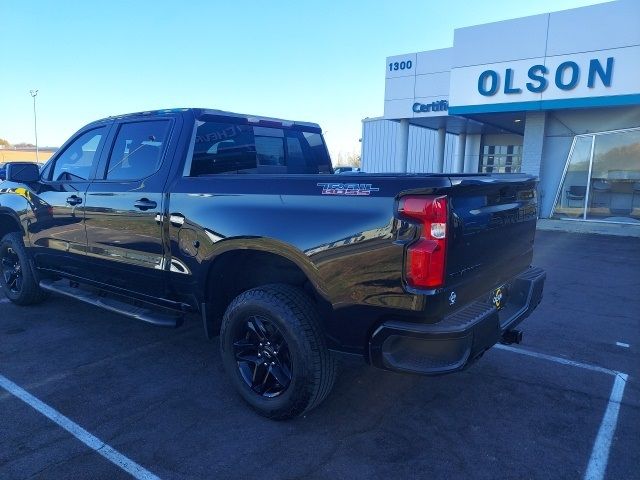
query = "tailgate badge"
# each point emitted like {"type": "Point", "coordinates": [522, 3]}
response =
{"type": "Point", "coordinates": [452, 298]}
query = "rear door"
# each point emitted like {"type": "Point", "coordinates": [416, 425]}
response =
{"type": "Point", "coordinates": [124, 206]}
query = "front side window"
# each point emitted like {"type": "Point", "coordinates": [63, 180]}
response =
{"type": "Point", "coordinates": [232, 148]}
{"type": "Point", "coordinates": [77, 160]}
{"type": "Point", "coordinates": [137, 150]}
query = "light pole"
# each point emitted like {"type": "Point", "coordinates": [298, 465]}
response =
{"type": "Point", "coordinates": [33, 94]}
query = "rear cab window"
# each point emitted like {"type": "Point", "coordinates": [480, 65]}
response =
{"type": "Point", "coordinates": [221, 147]}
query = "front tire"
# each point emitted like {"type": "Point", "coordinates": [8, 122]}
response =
{"type": "Point", "coordinates": [275, 353]}
{"type": "Point", "coordinates": [17, 280]}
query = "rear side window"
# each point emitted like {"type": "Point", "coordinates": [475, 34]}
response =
{"type": "Point", "coordinates": [77, 160]}
{"type": "Point", "coordinates": [137, 150]}
{"type": "Point", "coordinates": [231, 148]}
{"type": "Point", "coordinates": [317, 151]}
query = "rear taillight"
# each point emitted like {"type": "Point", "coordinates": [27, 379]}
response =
{"type": "Point", "coordinates": [425, 262]}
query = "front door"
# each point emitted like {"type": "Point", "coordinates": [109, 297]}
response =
{"type": "Point", "coordinates": [124, 208]}
{"type": "Point", "coordinates": [57, 232]}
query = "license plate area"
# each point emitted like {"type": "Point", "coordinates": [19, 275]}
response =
{"type": "Point", "coordinates": [499, 297]}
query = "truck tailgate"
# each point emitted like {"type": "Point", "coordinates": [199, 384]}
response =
{"type": "Point", "coordinates": [493, 222]}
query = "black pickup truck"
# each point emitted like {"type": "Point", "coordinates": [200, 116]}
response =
{"type": "Point", "coordinates": [240, 221]}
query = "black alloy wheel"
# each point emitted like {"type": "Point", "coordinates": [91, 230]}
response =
{"type": "Point", "coordinates": [274, 351]}
{"type": "Point", "coordinates": [263, 357]}
{"type": "Point", "coordinates": [18, 281]}
{"type": "Point", "coordinates": [11, 269]}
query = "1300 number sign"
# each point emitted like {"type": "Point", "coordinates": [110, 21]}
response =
{"type": "Point", "coordinates": [400, 65]}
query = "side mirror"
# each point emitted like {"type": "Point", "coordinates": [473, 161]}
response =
{"type": "Point", "coordinates": [22, 172]}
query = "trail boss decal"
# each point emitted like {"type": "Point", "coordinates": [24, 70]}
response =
{"type": "Point", "coordinates": [358, 189]}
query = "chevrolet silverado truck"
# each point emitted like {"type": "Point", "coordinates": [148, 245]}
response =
{"type": "Point", "coordinates": [238, 221]}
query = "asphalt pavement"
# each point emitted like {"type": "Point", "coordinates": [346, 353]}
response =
{"type": "Point", "coordinates": [160, 397]}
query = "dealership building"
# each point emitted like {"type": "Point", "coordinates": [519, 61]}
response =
{"type": "Point", "coordinates": [554, 95]}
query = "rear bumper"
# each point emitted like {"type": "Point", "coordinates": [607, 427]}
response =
{"type": "Point", "coordinates": [456, 341]}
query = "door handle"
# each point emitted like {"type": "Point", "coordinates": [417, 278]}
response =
{"type": "Point", "coordinates": [74, 200]}
{"type": "Point", "coordinates": [145, 204]}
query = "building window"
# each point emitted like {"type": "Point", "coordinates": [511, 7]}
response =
{"type": "Point", "coordinates": [602, 178]}
{"type": "Point", "coordinates": [500, 159]}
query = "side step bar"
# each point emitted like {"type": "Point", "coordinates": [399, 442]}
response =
{"type": "Point", "coordinates": [148, 315]}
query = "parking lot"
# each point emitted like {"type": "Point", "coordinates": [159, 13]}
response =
{"type": "Point", "coordinates": [549, 408]}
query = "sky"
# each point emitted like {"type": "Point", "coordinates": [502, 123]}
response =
{"type": "Point", "coordinates": [319, 61]}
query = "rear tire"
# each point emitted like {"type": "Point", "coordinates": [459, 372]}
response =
{"type": "Point", "coordinates": [17, 279]}
{"type": "Point", "coordinates": [274, 351]}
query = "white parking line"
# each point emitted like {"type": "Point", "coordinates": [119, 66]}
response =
{"type": "Point", "coordinates": [77, 431]}
{"type": "Point", "coordinates": [553, 358]}
{"type": "Point", "coordinates": [622, 344]}
{"type": "Point", "coordinates": [599, 458]}
{"type": "Point", "coordinates": [600, 453]}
